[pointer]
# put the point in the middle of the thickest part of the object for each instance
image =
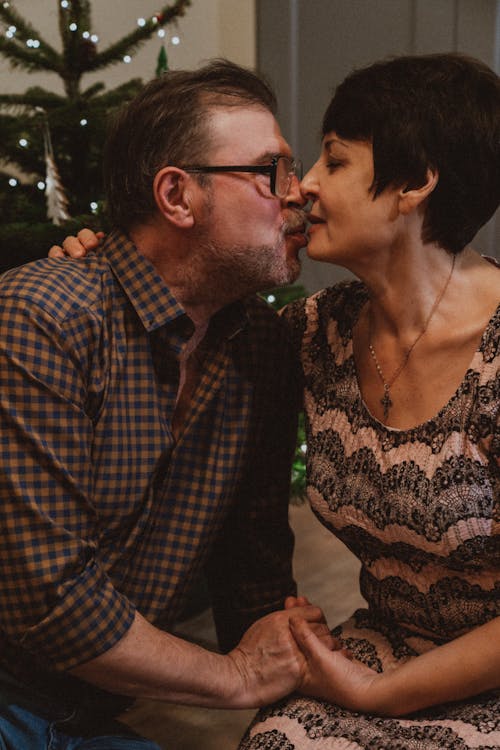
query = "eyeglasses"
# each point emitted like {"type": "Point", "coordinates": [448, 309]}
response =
{"type": "Point", "coordinates": [281, 170]}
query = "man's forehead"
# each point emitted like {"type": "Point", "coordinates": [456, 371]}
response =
{"type": "Point", "coordinates": [246, 129]}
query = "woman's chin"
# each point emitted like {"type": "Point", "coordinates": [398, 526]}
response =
{"type": "Point", "coordinates": [317, 251]}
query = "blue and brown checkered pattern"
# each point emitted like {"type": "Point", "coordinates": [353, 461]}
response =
{"type": "Point", "coordinates": [102, 511]}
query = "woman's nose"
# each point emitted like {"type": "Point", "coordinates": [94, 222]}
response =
{"type": "Point", "coordinates": [309, 185]}
{"type": "Point", "coordinates": [294, 195]}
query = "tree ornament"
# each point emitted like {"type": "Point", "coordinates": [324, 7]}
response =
{"type": "Point", "coordinates": [162, 62]}
{"type": "Point", "coordinates": [57, 202]}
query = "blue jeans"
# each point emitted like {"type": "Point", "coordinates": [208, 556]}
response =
{"type": "Point", "coordinates": [29, 722]}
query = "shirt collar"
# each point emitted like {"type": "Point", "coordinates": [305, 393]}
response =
{"type": "Point", "coordinates": [150, 296]}
{"type": "Point", "coordinates": [146, 290]}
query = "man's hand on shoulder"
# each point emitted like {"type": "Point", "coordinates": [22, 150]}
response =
{"type": "Point", "coordinates": [77, 247]}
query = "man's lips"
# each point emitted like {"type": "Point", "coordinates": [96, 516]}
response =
{"type": "Point", "coordinates": [298, 233]}
{"type": "Point", "coordinates": [295, 227]}
{"type": "Point", "coordinates": [299, 229]}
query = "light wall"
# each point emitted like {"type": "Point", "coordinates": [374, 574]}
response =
{"type": "Point", "coordinates": [210, 28]}
{"type": "Point", "coordinates": [307, 47]}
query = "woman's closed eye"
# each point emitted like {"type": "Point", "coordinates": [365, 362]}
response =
{"type": "Point", "coordinates": [332, 164]}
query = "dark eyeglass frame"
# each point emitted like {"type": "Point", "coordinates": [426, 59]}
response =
{"type": "Point", "coordinates": [270, 169]}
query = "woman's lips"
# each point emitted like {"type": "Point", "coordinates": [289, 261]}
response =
{"type": "Point", "coordinates": [314, 222]}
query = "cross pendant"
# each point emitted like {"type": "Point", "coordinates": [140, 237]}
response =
{"type": "Point", "coordinates": [386, 403]}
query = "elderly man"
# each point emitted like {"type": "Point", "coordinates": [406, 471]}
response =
{"type": "Point", "coordinates": [147, 424]}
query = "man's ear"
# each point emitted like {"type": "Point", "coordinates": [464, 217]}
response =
{"type": "Point", "coordinates": [173, 196]}
{"type": "Point", "coordinates": [411, 198]}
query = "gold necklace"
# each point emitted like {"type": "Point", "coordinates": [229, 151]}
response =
{"type": "Point", "coordinates": [386, 400]}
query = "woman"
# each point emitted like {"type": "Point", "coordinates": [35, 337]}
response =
{"type": "Point", "coordinates": [402, 386]}
{"type": "Point", "coordinates": [401, 394]}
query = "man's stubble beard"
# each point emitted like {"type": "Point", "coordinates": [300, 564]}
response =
{"type": "Point", "coordinates": [236, 271]}
{"type": "Point", "coordinates": [222, 273]}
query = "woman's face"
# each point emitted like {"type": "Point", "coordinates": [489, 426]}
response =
{"type": "Point", "coordinates": [347, 224]}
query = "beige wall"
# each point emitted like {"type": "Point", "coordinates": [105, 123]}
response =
{"type": "Point", "coordinates": [307, 47]}
{"type": "Point", "coordinates": [210, 28]}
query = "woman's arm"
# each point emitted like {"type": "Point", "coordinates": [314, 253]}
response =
{"type": "Point", "coordinates": [464, 667]}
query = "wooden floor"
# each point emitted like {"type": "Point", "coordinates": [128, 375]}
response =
{"type": "Point", "coordinates": [326, 572]}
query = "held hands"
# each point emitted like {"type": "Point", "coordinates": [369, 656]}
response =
{"type": "Point", "coordinates": [267, 659]}
{"type": "Point", "coordinates": [77, 247]}
{"type": "Point", "coordinates": [331, 673]}
{"type": "Point", "coordinates": [293, 650]}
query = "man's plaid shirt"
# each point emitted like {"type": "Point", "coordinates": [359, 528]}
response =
{"type": "Point", "coordinates": [102, 512]}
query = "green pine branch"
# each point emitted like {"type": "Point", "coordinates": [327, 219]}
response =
{"type": "Point", "coordinates": [42, 58]}
{"type": "Point", "coordinates": [78, 12]}
{"type": "Point", "coordinates": [114, 97]}
{"type": "Point", "coordinates": [78, 56]}
{"type": "Point", "coordinates": [76, 120]}
{"type": "Point", "coordinates": [12, 127]}
{"type": "Point", "coordinates": [93, 91]}
{"type": "Point", "coordinates": [133, 41]}
{"type": "Point", "coordinates": [10, 16]}
{"type": "Point", "coordinates": [31, 99]}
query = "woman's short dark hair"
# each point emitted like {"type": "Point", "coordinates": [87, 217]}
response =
{"type": "Point", "coordinates": [168, 122]}
{"type": "Point", "coordinates": [440, 111]}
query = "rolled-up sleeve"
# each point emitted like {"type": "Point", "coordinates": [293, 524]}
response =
{"type": "Point", "coordinates": [57, 601]}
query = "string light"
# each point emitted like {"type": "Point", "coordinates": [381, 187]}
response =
{"type": "Point", "coordinates": [35, 44]}
{"type": "Point", "coordinates": [271, 298]}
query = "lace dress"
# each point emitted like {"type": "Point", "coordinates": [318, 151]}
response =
{"type": "Point", "coordinates": [420, 509]}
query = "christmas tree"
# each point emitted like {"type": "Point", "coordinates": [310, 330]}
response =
{"type": "Point", "coordinates": [56, 140]}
